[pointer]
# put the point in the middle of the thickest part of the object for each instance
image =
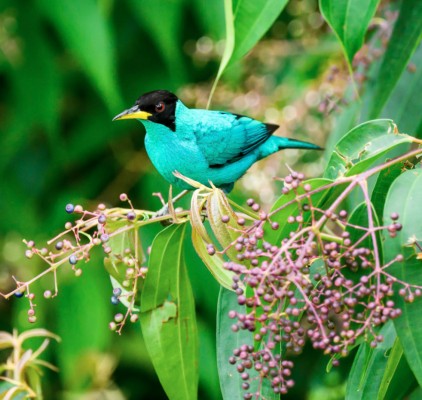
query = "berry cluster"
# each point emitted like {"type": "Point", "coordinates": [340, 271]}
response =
{"type": "Point", "coordinates": [313, 286]}
{"type": "Point", "coordinates": [92, 229]}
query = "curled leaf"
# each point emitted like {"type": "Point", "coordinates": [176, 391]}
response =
{"type": "Point", "coordinates": [201, 240]}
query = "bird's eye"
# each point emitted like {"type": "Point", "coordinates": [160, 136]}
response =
{"type": "Point", "coordinates": [160, 107]}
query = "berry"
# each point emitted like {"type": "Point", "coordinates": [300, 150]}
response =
{"type": "Point", "coordinates": [275, 225]}
{"type": "Point", "coordinates": [119, 317]}
{"type": "Point", "coordinates": [70, 208]}
{"type": "Point", "coordinates": [211, 249]}
{"type": "Point", "coordinates": [59, 245]}
{"type": "Point", "coordinates": [131, 216]}
{"type": "Point", "coordinates": [114, 300]}
{"type": "Point", "coordinates": [73, 259]}
{"type": "Point", "coordinates": [225, 219]}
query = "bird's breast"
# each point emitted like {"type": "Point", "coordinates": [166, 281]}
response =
{"type": "Point", "coordinates": [170, 152]}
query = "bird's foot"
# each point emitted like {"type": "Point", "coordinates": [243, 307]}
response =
{"type": "Point", "coordinates": [162, 211]}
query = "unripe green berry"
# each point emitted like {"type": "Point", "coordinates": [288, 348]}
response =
{"type": "Point", "coordinates": [119, 317]}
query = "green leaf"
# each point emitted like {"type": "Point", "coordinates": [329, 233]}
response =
{"type": "Point", "coordinates": [252, 19]}
{"type": "Point", "coordinates": [246, 22]}
{"type": "Point", "coordinates": [87, 33]}
{"type": "Point", "coordinates": [405, 198]}
{"type": "Point", "coordinates": [228, 47]}
{"type": "Point", "coordinates": [83, 312]}
{"type": "Point", "coordinates": [369, 365]}
{"type": "Point", "coordinates": [318, 200]}
{"type": "Point", "coordinates": [167, 33]}
{"type": "Point", "coordinates": [403, 105]}
{"type": "Point", "coordinates": [114, 263]}
{"type": "Point", "coordinates": [168, 316]}
{"type": "Point", "coordinates": [200, 240]}
{"type": "Point", "coordinates": [225, 233]}
{"type": "Point", "coordinates": [397, 378]}
{"type": "Point", "coordinates": [362, 146]}
{"type": "Point", "coordinates": [383, 183]}
{"type": "Point", "coordinates": [36, 56]}
{"type": "Point", "coordinates": [359, 217]}
{"type": "Point", "coordinates": [211, 16]}
{"type": "Point", "coordinates": [227, 341]}
{"type": "Point", "coordinates": [343, 122]}
{"type": "Point", "coordinates": [349, 19]}
{"type": "Point", "coordinates": [404, 40]}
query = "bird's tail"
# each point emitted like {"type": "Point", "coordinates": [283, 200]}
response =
{"type": "Point", "coordinates": [286, 143]}
{"type": "Point", "coordinates": [277, 143]}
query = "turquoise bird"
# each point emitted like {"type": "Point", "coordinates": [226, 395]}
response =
{"type": "Point", "coordinates": [206, 146]}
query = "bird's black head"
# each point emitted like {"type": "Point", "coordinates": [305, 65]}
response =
{"type": "Point", "coordinates": [158, 106]}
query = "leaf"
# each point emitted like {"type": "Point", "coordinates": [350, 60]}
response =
{"type": "Point", "coordinates": [226, 233]}
{"type": "Point", "coordinates": [343, 122]}
{"type": "Point", "coordinates": [246, 22]}
{"type": "Point", "coordinates": [318, 200]}
{"type": "Point", "coordinates": [359, 217]}
{"type": "Point", "coordinates": [167, 33]}
{"type": "Point", "coordinates": [87, 33]}
{"type": "Point", "coordinates": [115, 263]}
{"type": "Point", "coordinates": [227, 341]}
{"type": "Point", "coordinates": [362, 146]}
{"type": "Point", "coordinates": [83, 311]}
{"type": "Point", "coordinates": [252, 19]}
{"type": "Point", "coordinates": [168, 316]}
{"type": "Point", "coordinates": [369, 365]}
{"type": "Point", "coordinates": [397, 378]}
{"type": "Point", "coordinates": [403, 105]}
{"type": "Point", "coordinates": [212, 20]}
{"type": "Point", "coordinates": [404, 197]}
{"type": "Point", "coordinates": [228, 47]}
{"type": "Point", "coordinates": [349, 19]}
{"type": "Point", "coordinates": [36, 56]}
{"type": "Point", "coordinates": [200, 240]}
{"type": "Point", "coordinates": [404, 40]}
{"type": "Point", "coordinates": [383, 183]}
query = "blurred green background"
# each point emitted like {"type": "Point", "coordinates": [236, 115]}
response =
{"type": "Point", "coordinates": [66, 68]}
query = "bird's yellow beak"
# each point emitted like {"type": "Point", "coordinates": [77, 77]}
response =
{"type": "Point", "coordinates": [132, 113]}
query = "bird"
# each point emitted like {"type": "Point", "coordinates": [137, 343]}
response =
{"type": "Point", "coordinates": [206, 146]}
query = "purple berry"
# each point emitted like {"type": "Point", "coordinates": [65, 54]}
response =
{"type": "Point", "coordinates": [70, 208]}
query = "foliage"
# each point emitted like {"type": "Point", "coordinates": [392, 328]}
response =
{"type": "Point", "coordinates": [22, 377]}
{"type": "Point", "coordinates": [332, 264]}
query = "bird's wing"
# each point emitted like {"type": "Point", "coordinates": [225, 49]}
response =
{"type": "Point", "coordinates": [224, 137]}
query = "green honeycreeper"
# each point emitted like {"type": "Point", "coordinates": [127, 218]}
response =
{"type": "Point", "coordinates": [203, 145]}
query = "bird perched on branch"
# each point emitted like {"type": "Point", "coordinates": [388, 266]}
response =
{"type": "Point", "coordinates": [203, 145]}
